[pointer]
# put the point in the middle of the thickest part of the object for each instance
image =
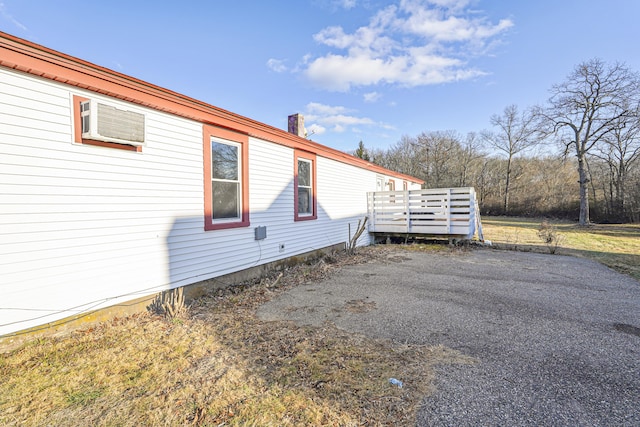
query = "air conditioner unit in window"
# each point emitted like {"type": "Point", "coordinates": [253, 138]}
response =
{"type": "Point", "coordinates": [104, 122]}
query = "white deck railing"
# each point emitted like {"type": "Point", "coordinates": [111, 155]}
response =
{"type": "Point", "coordinates": [440, 211]}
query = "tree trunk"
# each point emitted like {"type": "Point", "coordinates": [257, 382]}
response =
{"type": "Point", "coordinates": [612, 205]}
{"type": "Point", "coordinates": [620, 193]}
{"type": "Point", "coordinates": [584, 192]}
{"type": "Point", "coordinates": [506, 187]}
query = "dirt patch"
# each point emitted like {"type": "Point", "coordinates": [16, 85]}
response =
{"type": "Point", "coordinates": [360, 306]}
{"type": "Point", "coordinates": [397, 258]}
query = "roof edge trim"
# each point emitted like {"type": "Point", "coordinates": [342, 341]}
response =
{"type": "Point", "coordinates": [25, 56]}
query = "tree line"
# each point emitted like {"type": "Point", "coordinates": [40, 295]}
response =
{"type": "Point", "coordinates": [576, 157]}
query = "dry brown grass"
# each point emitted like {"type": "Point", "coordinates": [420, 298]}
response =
{"type": "Point", "coordinates": [219, 365]}
{"type": "Point", "coordinates": [614, 245]}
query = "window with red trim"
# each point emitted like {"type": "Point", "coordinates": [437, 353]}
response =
{"type": "Point", "coordinates": [226, 183]}
{"type": "Point", "coordinates": [304, 183]}
{"type": "Point", "coordinates": [80, 125]}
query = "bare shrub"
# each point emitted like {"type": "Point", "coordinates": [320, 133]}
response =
{"type": "Point", "coordinates": [171, 304]}
{"type": "Point", "coordinates": [550, 236]}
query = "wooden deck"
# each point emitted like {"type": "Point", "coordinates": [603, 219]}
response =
{"type": "Point", "coordinates": [445, 212]}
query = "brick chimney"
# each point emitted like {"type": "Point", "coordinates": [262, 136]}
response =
{"type": "Point", "coordinates": [296, 125]}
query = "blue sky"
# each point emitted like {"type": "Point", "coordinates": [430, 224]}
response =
{"type": "Point", "coordinates": [359, 70]}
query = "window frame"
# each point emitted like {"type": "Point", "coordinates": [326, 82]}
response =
{"type": "Point", "coordinates": [311, 158]}
{"type": "Point", "coordinates": [77, 101]}
{"type": "Point", "coordinates": [392, 185]}
{"type": "Point", "coordinates": [219, 135]}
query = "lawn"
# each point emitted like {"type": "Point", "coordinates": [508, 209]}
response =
{"type": "Point", "coordinates": [614, 245]}
{"type": "Point", "coordinates": [218, 365]}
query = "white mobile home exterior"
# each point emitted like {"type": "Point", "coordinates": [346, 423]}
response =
{"type": "Point", "coordinates": [86, 224]}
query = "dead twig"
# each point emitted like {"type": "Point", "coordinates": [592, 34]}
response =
{"type": "Point", "coordinates": [354, 239]}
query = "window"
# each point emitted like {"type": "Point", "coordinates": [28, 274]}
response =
{"type": "Point", "coordinates": [305, 190]}
{"type": "Point", "coordinates": [305, 186]}
{"type": "Point", "coordinates": [82, 127]}
{"type": "Point", "coordinates": [225, 179]}
{"type": "Point", "coordinates": [84, 116]}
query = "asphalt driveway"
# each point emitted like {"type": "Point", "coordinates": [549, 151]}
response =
{"type": "Point", "coordinates": [557, 339]}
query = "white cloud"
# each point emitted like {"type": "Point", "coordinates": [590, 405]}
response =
{"type": "Point", "coordinates": [440, 25]}
{"type": "Point", "coordinates": [7, 16]}
{"type": "Point", "coordinates": [316, 129]}
{"type": "Point", "coordinates": [451, 4]}
{"type": "Point", "coordinates": [371, 96]}
{"type": "Point", "coordinates": [412, 43]}
{"type": "Point", "coordinates": [334, 36]}
{"type": "Point", "coordinates": [277, 65]}
{"type": "Point", "coordinates": [345, 4]}
{"type": "Point", "coordinates": [316, 108]}
{"type": "Point", "coordinates": [336, 116]}
{"type": "Point", "coordinates": [337, 5]}
{"type": "Point", "coordinates": [321, 117]}
{"type": "Point", "coordinates": [339, 72]}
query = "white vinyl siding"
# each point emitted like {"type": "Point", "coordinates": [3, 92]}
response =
{"type": "Point", "coordinates": [84, 227]}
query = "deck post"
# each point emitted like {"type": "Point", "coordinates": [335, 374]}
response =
{"type": "Point", "coordinates": [371, 209]}
{"type": "Point", "coordinates": [447, 209]}
{"type": "Point", "coordinates": [407, 210]}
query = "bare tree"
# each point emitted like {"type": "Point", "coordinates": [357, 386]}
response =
{"type": "Point", "coordinates": [401, 157]}
{"type": "Point", "coordinates": [620, 151]}
{"type": "Point", "coordinates": [633, 187]}
{"type": "Point", "coordinates": [584, 110]}
{"type": "Point", "coordinates": [439, 153]}
{"type": "Point", "coordinates": [517, 132]}
{"type": "Point", "coordinates": [489, 186]}
{"type": "Point", "coordinates": [470, 153]}
{"type": "Point", "coordinates": [378, 156]}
